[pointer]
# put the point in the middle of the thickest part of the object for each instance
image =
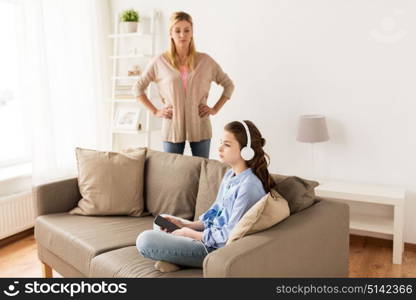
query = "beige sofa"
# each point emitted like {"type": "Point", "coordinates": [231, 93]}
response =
{"type": "Point", "coordinates": [311, 243]}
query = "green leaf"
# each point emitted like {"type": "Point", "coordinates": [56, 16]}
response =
{"type": "Point", "coordinates": [129, 15]}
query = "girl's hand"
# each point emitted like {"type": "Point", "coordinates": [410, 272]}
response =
{"type": "Point", "coordinates": [205, 110]}
{"type": "Point", "coordinates": [185, 231]}
{"type": "Point", "coordinates": [165, 112]}
{"type": "Point", "coordinates": [175, 221]}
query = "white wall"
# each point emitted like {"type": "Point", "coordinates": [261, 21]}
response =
{"type": "Point", "coordinates": [352, 61]}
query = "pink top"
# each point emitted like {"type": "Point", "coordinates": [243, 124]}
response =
{"type": "Point", "coordinates": [184, 75]}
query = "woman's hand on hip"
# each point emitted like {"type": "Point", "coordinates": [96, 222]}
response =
{"type": "Point", "coordinates": [205, 110]}
{"type": "Point", "coordinates": [165, 112]}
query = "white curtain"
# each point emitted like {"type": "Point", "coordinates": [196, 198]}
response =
{"type": "Point", "coordinates": [66, 83]}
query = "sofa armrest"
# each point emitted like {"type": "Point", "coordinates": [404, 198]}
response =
{"type": "Point", "coordinates": [311, 243]}
{"type": "Point", "coordinates": [56, 197]}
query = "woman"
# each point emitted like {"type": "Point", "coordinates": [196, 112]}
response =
{"type": "Point", "coordinates": [183, 78]}
{"type": "Point", "coordinates": [242, 186]}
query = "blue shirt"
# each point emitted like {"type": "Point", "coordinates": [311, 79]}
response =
{"type": "Point", "coordinates": [236, 195]}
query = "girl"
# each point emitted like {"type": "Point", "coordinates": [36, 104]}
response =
{"type": "Point", "coordinates": [242, 186]}
{"type": "Point", "coordinates": [183, 77]}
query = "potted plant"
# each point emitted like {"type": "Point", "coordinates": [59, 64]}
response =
{"type": "Point", "coordinates": [130, 20]}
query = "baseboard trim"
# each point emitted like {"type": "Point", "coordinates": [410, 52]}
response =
{"type": "Point", "coordinates": [16, 237]}
{"type": "Point", "coordinates": [384, 242]}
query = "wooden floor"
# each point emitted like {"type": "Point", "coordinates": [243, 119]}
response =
{"type": "Point", "coordinates": [369, 257]}
{"type": "Point", "coordinates": [20, 259]}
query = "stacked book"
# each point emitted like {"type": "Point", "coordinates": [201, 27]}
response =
{"type": "Point", "coordinates": [123, 92]}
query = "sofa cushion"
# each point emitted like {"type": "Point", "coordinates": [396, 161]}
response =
{"type": "Point", "coordinates": [110, 183]}
{"type": "Point", "coordinates": [171, 183]}
{"type": "Point", "coordinates": [299, 192]}
{"type": "Point", "coordinates": [127, 262]}
{"type": "Point", "coordinates": [77, 239]}
{"type": "Point", "coordinates": [210, 179]}
{"type": "Point", "coordinates": [268, 211]}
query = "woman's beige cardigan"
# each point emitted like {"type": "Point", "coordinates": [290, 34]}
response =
{"type": "Point", "coordinates": [186, 124]}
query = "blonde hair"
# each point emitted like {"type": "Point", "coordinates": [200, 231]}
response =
{"type": "Point", "coordinates": [171, 54]}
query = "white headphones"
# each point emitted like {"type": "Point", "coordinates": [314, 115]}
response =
{"type": "Point", "coordinates": [247, 153]}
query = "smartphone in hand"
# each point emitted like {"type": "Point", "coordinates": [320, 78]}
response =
{"type": "Point", "coordinates": [162, 222]}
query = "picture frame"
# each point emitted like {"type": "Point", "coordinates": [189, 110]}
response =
{"type": "Point", "coordinates": [127, 118]}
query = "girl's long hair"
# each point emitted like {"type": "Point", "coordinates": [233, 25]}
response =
{"type": "Point", "coordinates": [171, 54]}
{"type": "Point", "coordinates": [261, 160]}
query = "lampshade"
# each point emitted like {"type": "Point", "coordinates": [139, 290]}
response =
{"type": "Point", "coordinates": [312, 129]}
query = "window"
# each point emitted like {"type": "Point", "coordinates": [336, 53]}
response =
{"type": "Point", "coordinates": [14, 132]}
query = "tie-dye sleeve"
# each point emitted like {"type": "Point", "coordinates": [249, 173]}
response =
{"type": "Point", "coordinates": [216, 236]}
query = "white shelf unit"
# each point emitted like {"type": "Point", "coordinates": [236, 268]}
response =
{"type": "Point", "coordinates": [132, 100]}
{"type": "Point", "coordinates": [375, 196]}
{"type": "Point", "coordinates": [132, 34]}
{"type": "Point", "coordinates": [118, 55]}
{"type": "Point", "coordinates": [124, 77]}
{"type": "Point", "coordinates": [131, 56]}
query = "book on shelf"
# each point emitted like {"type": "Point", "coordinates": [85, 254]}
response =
{"type": "Point", "coordinates": [125, 88]}
{"type": "Point", "coordinates": [122, 92]}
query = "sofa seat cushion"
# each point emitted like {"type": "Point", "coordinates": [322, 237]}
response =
{"type": "Point", "coordinates": [77, 239]}
{"type": "Point", "coordinates": [127, 262]}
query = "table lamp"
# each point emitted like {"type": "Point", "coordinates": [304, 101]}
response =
{"type": "Point", "coordinates": [312, 129]}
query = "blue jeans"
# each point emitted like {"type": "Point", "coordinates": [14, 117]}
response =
{"type": "Point", "coordinates": [159, 245]}
{"type": "Point", "coordinates": [200, 148]}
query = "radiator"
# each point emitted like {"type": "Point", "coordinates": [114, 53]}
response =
{"type": "Point", "coordinates": [17, 213]}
